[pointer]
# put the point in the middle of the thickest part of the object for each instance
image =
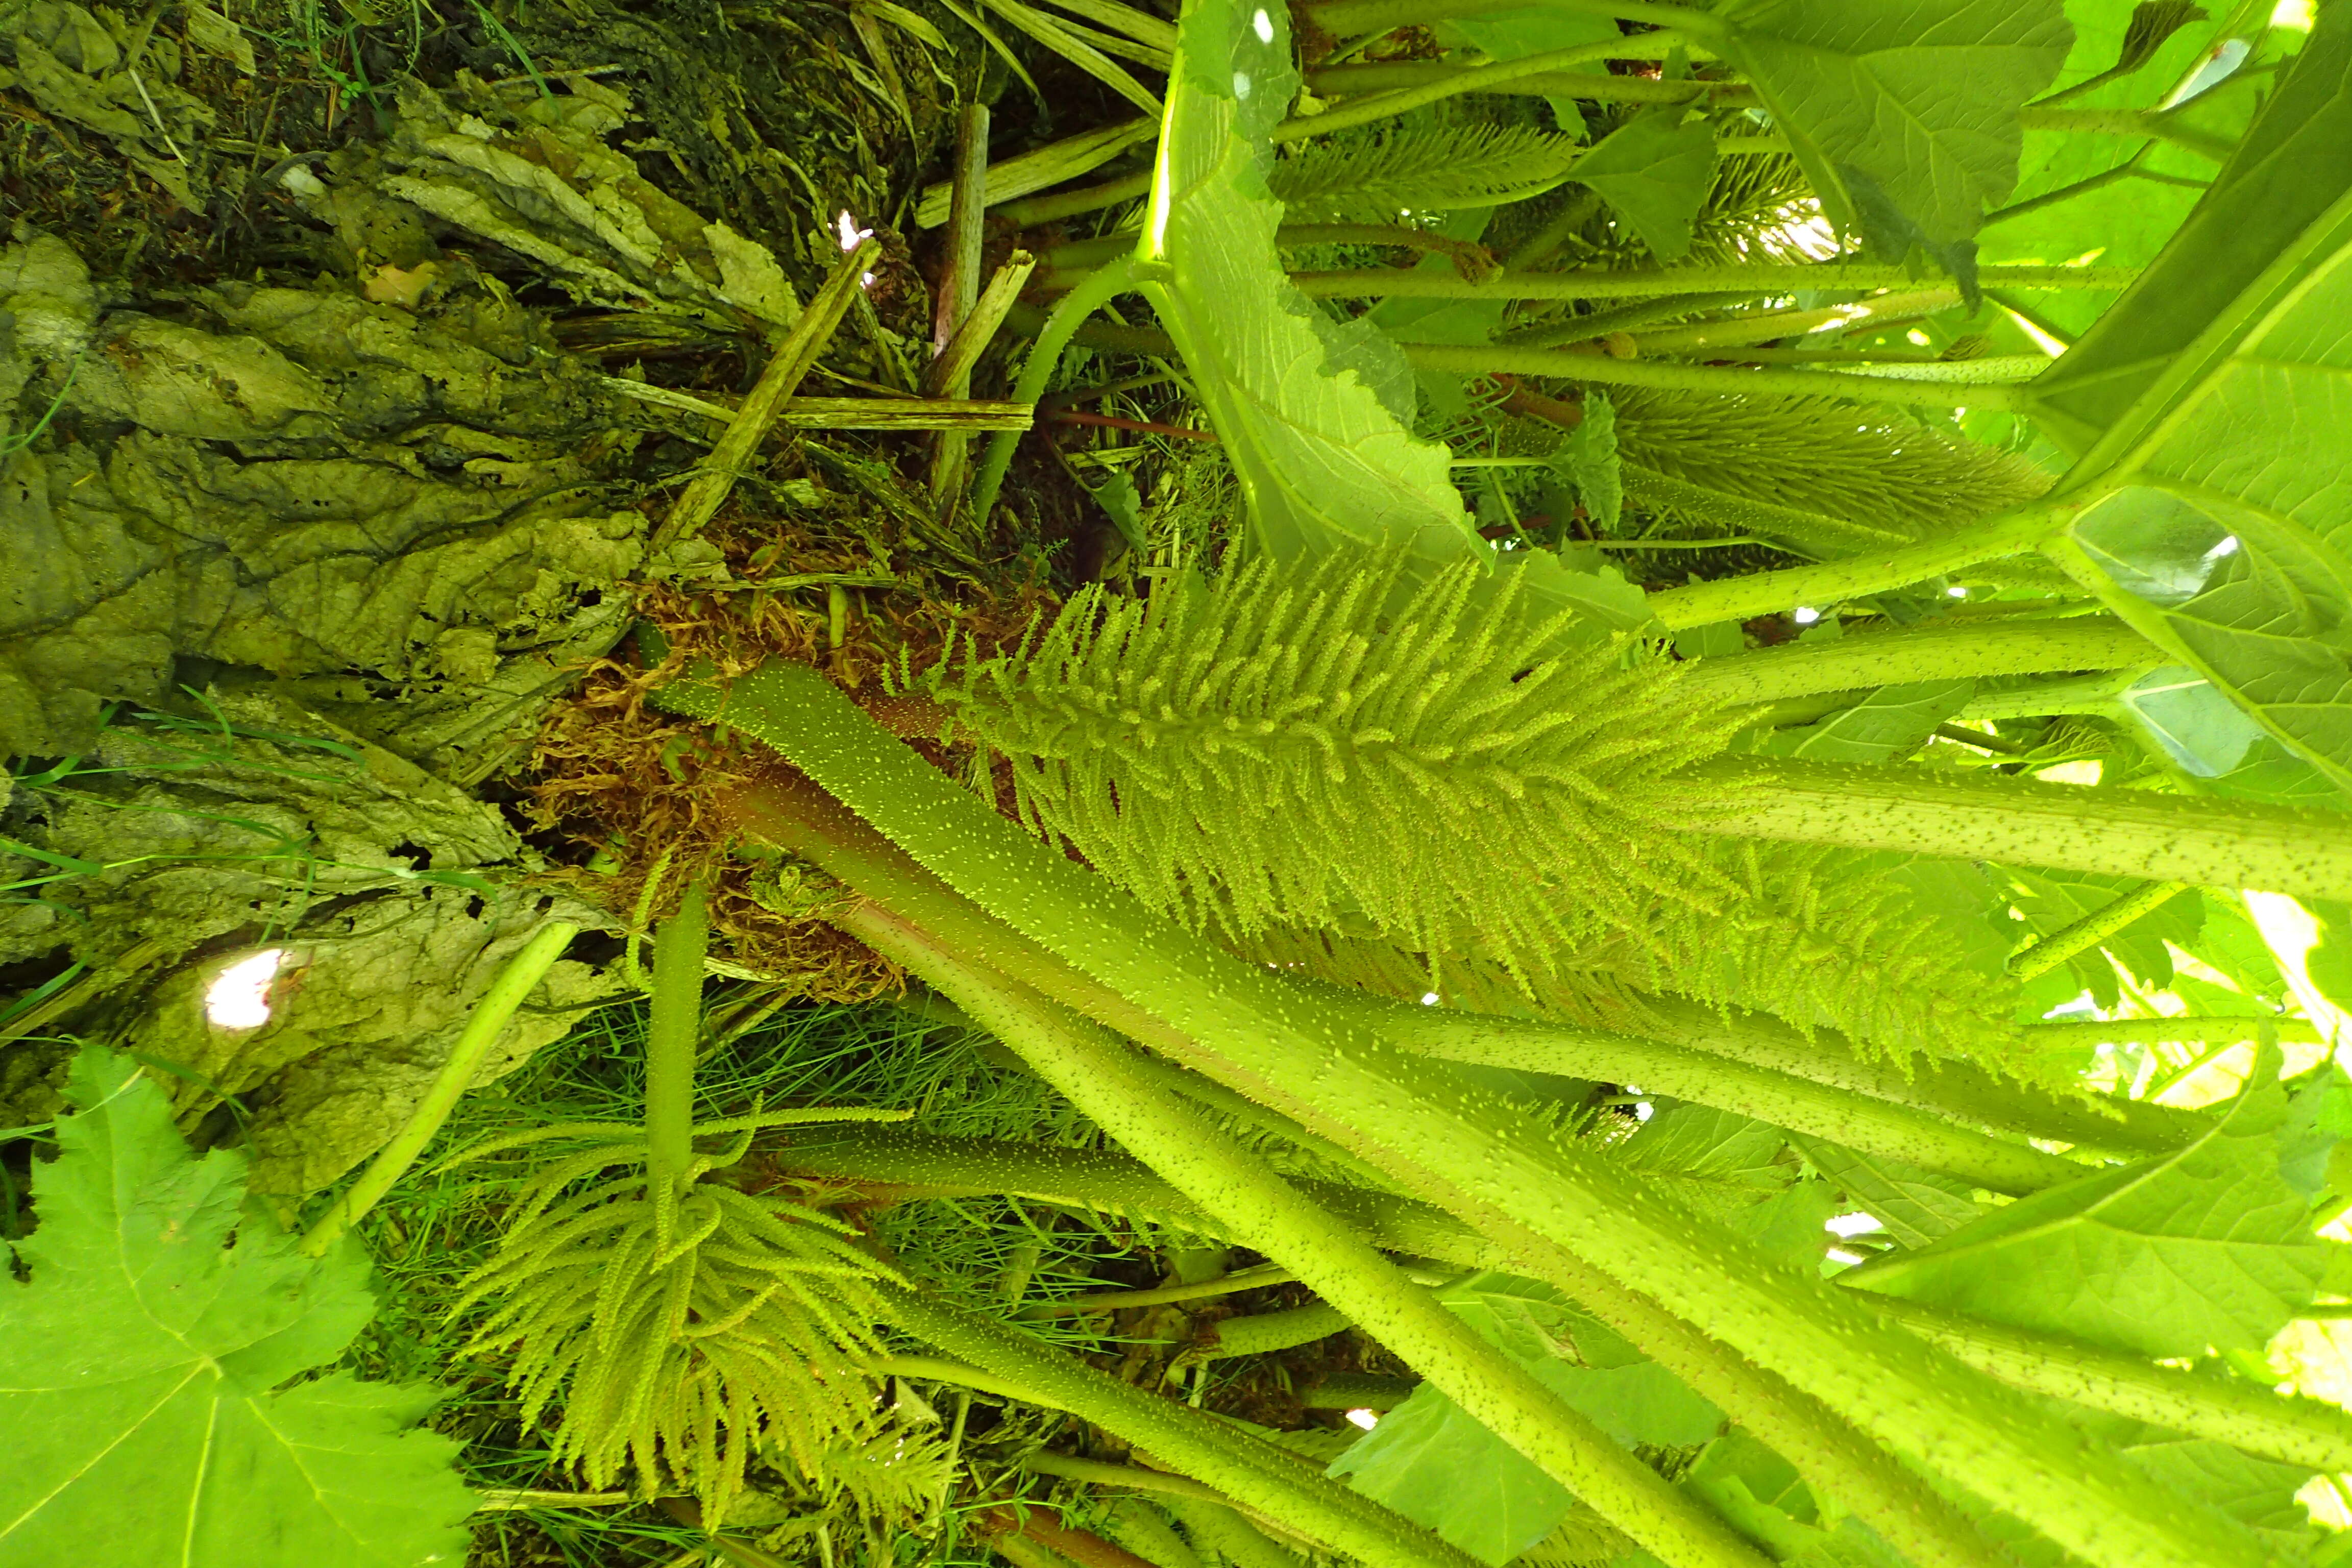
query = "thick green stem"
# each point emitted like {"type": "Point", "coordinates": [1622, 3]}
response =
{"type": "Point", "coordinates": [1171, 1553]}
{"type": "Point", "coordinates": [933, 1370]}
{"type": "Point", "coordinates": [1956, 1090]}
{"type": "Point", "coordinates": [671, 1037]}
{"type": "Point", "coordinates": [1010, 179]}
{"type": "Point", "coordinates": [888, 1166]}
{"type": "Point", "coordinates": [2126, 122]}
{"type": "Point", "coordinates": [1897, 1133]}
{"type": "Point", "coordinates": [1485, 1159]}
{"type": "Point", "coordinates": [2200, 1031]}
{"type": "Point", "coordinates": [2097, 694]}
{"type": "Point", "coordinates": [1929, 1532]}
{"type": "Point", "coordinates": [1093, 291]}
{"type": "Point", "coordinates": [1121, 1300]}
{"type": "Point", "coordinates": [2204, 842]}
{"type": "Point", "coordinates": [2244, 1414]}
{"type": "Point", "coordinates": [1393, 282]}
{"type": "Point", "coordinates": [523, 972]}
{"type": "Point", "coordinates": [1767, 592]}
{"type": "Point", "coordinates": [1168, 1077]}
{"type": "Point", "coordinates": [2092, 930]}
{"type": "Point", "coordinates": [1925, 1528]}
{"type": "Point", "coordinates": [1390, 76]}
{"type": "Point", "coordinates": [1030, 211]}
{"type": "Point", "coordinates": [1586, 329]}
{"type": "Point", "coordinates": [1569, 365]}
{"type": "Point", "coordinates": [1357, 112]}
{"type": "Point", "coordinates": [1252, 1473]}
{"type": "Point", "coordinates": [1096, 1072]}
{"type": "Point", "coordinates": [1266, 1333]}
{"type": "Point", "coordinates": [1344, 18]}
{"type": "Point", "coordinates": [1356, 1390]}
{"type": "Point", "coordinates": [1769, 1093]}
{"type": "Point", "coordinates": [1931, 652]}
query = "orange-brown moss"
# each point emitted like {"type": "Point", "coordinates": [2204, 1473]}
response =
{"type": "Point", "coordinates": [626, 782]}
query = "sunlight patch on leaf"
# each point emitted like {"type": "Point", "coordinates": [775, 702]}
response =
{"type": "Point", "coordinates": [2206, 1247]}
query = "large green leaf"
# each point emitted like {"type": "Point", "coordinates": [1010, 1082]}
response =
{"type": "Point", "coordinates": [1717, 1161]}
{"type": "Point", "coordinates": [1432, 1463]}
{"type": "Point", "coordinates": [1315, 413]}
{"type": "Point", "coordinates": [1295, 396]}
{"type": "Point", "coordinates": [2209, 1246]}
{"type": "Point", "coordinates": [2190, 721]}
{"type": "Point", "coordinates": [2127, 221]}
{"type": "Point", "coordinates": [1657, 171]}
{"type": "Point", "coordinates": [2212, 518]}
{"type": "Point", "coordinates": [137, 1365]}
{"type": "Point", "coordinates": [2293, 163]}
{"type": "Point", "coordinates": [1915, 1206]}
{"type": "Point", "coordinates": [1514, 34]}
{"type": "Point", "coordinates": [1887, 725]}
{"type": "Point", "coordinates": [1905, 117]}
{"type": "Point", "coordinates": [1762, 1496]}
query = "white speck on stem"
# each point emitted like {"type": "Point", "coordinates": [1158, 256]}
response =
{"type": "Point", "coordinates": [1367, 1419]}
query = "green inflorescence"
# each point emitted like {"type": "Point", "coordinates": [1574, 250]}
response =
{"type": "Point", "coordinates": [1279, 747]}
{"type": "Point", "coordinates": [1457, 788]}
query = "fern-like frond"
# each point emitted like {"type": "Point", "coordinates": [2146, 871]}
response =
{"type": "Point", "coordinates": [1429, 168]}
{"type": "Point", "coordinates": [1275, 748]}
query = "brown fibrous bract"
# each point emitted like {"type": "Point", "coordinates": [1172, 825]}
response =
{"type": "Point", "coordinates": [622, 783]}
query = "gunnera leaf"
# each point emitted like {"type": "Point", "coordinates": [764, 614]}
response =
{"type": "Point", "coordinates": [77, 65]}
{"type": "Point", "coordinates": [1296, 397]}
{"type": "Point", "coordinates": [534, 173]}
{"type": "Point", "coordinates": [144, 1368]}
{"type": "Point", "coordinates": [1954, 74]}
{"type": "Point", "coordinates": [2207, 1248]}
{"type": "Point", "coordinates": [360, 501]}
{"type": "Point", "coordinates": [203, 846]}
{"type": "Point", "coordinates": [1429, 1461]}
